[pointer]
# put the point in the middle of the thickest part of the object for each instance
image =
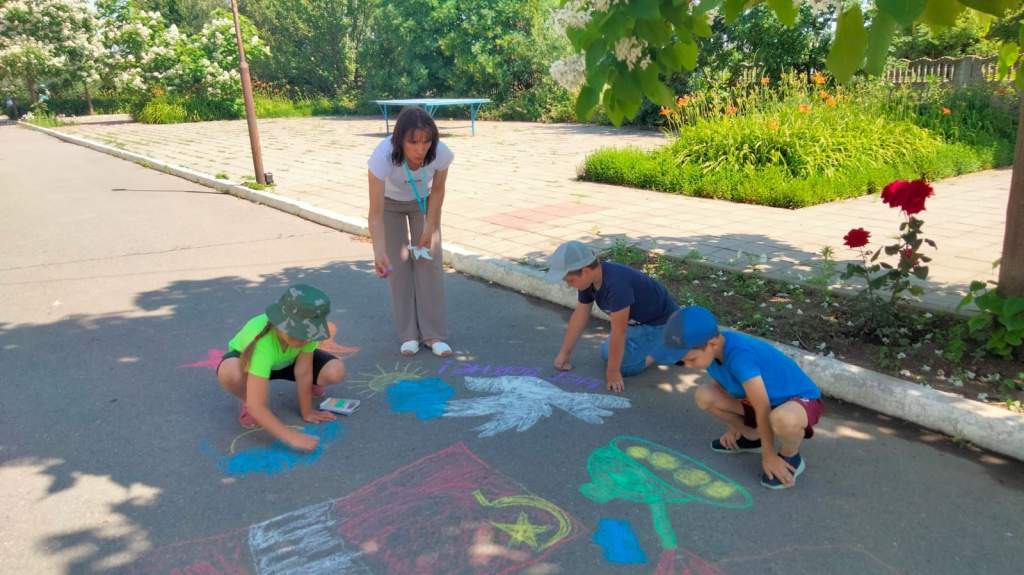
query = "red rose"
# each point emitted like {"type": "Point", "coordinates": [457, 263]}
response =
{"type": "Point", "coordinates": [907, 196]}
{"type": "Point", "coordinates": [907, 253]}
{"type": "Point", "coordinates": [856, 238]}
{"type": "Point", "coordinates": [893, 193]}
{"type": "Point", "coordinates": [914, 195]}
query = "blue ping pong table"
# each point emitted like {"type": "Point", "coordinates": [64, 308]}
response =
{"type": "Point", "coordinates": [431, 104]}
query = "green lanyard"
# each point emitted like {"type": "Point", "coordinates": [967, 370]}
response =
{"type": "Point", "coordinates": [420, 200]}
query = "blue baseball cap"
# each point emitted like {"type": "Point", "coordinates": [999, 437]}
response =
{"type": "Point", "coordinates": [689, 328]}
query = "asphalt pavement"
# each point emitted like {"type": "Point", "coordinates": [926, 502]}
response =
{"type": "Point", "coordinates": [119, 287]}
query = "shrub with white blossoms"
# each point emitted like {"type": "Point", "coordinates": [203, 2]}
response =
{"type": "Point", "coordinates": [148, 57]}
{"type": "Point", "coordinates": [570, 72]}
{"type": "Point", "coordinates": [43, 41]}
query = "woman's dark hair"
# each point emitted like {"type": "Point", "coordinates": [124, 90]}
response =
{"type": "Point", "coordinates": [409, 121]}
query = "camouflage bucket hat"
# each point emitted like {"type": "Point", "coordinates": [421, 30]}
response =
{"type": "Point", "coordinates": [301, 313]}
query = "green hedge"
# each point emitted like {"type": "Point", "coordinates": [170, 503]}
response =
{"type": "Point", "coordinates": [799, 148]}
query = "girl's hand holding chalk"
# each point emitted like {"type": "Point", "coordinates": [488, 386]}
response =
{"type": "Point", "coordinates": [302, 441]}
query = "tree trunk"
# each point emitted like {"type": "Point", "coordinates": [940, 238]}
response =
{"type": "Point", "coordinates": [1011, 270]}
{"type": "Point", "coordinates": [88, 98]}
{"type": "Point", "coordinates": [33, 96]}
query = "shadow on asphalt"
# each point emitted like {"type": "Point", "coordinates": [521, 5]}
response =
{"type": "Point", "coordinates": [134, 415]}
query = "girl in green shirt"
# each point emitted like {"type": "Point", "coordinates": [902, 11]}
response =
{"type": "Point", "coordinates": [281, 344]}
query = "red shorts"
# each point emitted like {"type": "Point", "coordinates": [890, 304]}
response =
{"type": "Point", "coordinates": [813, 407]}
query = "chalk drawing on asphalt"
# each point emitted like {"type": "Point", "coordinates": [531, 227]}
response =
{"type": "Point", "coordinates": [639, 471]}
{"type": "Point", "coordinates": [618, 542]}
{"type": "Point", "coordinates": [333, 347]}
{"type": "Point", "coordinates": [447, 513]}
{"type": "Point", "coordinates": [211, 362]}
{"type": "Point", "coordinates": [278, 457]}
{"type": "Point", "coordinates": [374, 382]}
{"type": "Point", "coordinates": [519, 402]}
{"type": "Point", "coordinates": [426, 398]}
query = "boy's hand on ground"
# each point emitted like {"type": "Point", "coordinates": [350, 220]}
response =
{"type": "Point", "coordinates": [776, 467]}
{"type": "Point", "coordinates": [302, 441]}
{"type": "Point", "coordinates": [729, 438]}
{"type": "Point", "coordinates": [318, 416]}
{"type": "Point", "coordinates": [562, 363]}
{"type": "Point", "coordinates": [615, 382]}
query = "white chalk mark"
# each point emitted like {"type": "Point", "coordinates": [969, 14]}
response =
{"type": "Point", "coordinates": [303, 541]}
{"type": "Point", "coordinates": [523, 400]}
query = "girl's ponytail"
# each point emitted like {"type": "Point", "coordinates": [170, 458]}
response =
{"type": "Point", "coordinates": [247, 354]}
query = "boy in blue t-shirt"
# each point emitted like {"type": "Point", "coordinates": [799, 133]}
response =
{"type": "Point", "coordinates": [757, 391]}
{"type": "Point", "coordinates": [638, 307]}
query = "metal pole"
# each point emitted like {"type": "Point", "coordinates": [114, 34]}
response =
{"type": "Point", "coordinates": [250, 108]}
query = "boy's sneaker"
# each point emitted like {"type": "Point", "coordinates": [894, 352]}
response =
{"type": "Point", "coordinates": [245, 420]}
{"type": "Point", "coordinates": [319, 391]}
{"type": "Point", "coordinates": [798, 467]}
{"type": "Point", "coordinates": [743, 445]}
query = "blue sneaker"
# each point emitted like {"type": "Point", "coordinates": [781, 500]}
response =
{"type": "Point", "coordinates": [743, 445]}
{"type": "Point", "coordinates": [798, 467]}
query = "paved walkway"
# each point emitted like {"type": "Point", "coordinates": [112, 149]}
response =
{"type": "Point", "coordinates": [513, 194]}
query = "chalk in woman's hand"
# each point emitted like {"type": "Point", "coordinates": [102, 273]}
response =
{"type": "Point", "coordinates": [420, 253]}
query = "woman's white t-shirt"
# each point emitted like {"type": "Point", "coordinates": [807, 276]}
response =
{"type": "Point", "coordinates": [396, 183]}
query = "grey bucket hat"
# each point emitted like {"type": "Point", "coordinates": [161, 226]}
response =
{"type": "Point", "coordinates": [569, 257]}
{"type": "Point", "coordinates": [301, 313]}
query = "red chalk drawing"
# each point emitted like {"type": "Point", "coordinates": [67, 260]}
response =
{"type": "Point", "coordinates": [211, 362]}
{"type": "Point", "coordinates": [330, 346]}
{"type": "Point", "coordinates": [679, 561]}
{"type": "Point", "coordinates": [225, 554]}
{"type": "Point", "coordinates": [446, 513]}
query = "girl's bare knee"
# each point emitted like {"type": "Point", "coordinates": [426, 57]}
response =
{"type": "Point", "coordinates": [332, 373]}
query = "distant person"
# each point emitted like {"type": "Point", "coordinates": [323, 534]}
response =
{"type": "Point", "coordinates": [407, 175]}
{"type": "Point", "coordinates": [637, 304]}
{"type": "Point", "coordinates": [281, 344]}
{"type": "Point", "coordinates": [758, 392]}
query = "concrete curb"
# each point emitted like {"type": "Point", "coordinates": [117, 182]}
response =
{"type": "Point", "coordinates": [984, 425]}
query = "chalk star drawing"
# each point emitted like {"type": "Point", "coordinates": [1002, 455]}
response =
{"type": "Point", "coordinates": [372, 383]}
{"type": "Point", "coordinates": [523, 400]}
{"type": "Point", "coordinates": [211, 362]}
{"type": "Point", "coordinates": [330, 346]}
{"type": "Point", "coordinates": [519, 529]}
{"type": "Point", "coordinates": [426, 518]}
{"type": "Point", "coordinates": [522, 531]}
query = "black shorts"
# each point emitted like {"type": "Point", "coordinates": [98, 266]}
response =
{"type": "Point", "coordinates": [320, 359]}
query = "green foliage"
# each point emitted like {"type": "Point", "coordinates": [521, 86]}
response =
{"type": "Point", "coordinates": [167, 109]}
{"type": "Point", "coordinates": [162, 111]}
{"type": "Point", "coordinates": [757, 39]}
{"type": "Point", "coordinates": [497, 49]}
{"type": "Point", "coordinates": [276, 106]}
{"type": "Point", "coordinates": [794, 144]}
{"type": "Point", "coordinates": [824, 270]}
{"type": "Point", "coordinates": [968, 36]}
{"type": "Point", "coordinates": [625, 253]}
{"type": "Point", "coordinates": [313, 43]}
{"type": "Point", "coordinates": [1001, 321]}
{"type": "Point", "coordinates": [658, 34]}
{"type": "Point", "coordinates": [189, 15]}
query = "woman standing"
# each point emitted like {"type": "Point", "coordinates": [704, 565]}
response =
{"type": "Point", "coordinates": [407, 174]}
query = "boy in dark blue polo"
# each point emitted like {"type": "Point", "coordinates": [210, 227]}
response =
{"type": "Point", "coordinates": [757, 391]}
{"type": "Point", "coordinates": [638, 307]}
